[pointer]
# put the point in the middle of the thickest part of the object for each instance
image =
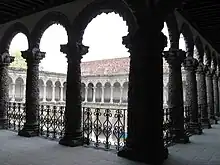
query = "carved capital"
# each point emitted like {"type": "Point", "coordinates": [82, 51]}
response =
{"type": "Point", "coordinates": [190, 63]}
{"type": "Point", "coordinates": [208, 70]}
{"type": "Point", "coordinates": [74, 51]}
{"type": "Point", "coordinates": [6, 59]}
{"type": "Point", "coordinates": [200, 69]}
{"type": "Point", "coordinates": [33, 56]}
{"type": "Point", "coordinates": [174, 57]}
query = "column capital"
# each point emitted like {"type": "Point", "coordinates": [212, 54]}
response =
{"type": "Point", "coordinates": [209, 71]}
{"type": "Point", "coordinates": [190, 63]}
{"type": "Point", "coordinates": [201, 68]}
{"type": "Point", "coordinates": [74, 50]}
{"type": "Point", "coordinates": [174, 57]}
{"type": "Point", "coordinates": [6, 59]}
{"type": "Point", "coordinates": [33, 55]}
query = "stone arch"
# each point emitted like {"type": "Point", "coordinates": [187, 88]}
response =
{"type": "Point", "coordinates": [49, 90]}
{"type": "Point", "coordinates": [97, 7]}
{"type": "Point", "coordinates": [173, 31]}
{"type": "Point", "coordinates": [9, 34]}
{"type": "Point", "coordinates": [41, 88]}
{"type": "Point", "coordinates": [116, 92]}
{"type": "Point", "coordinates": [125, 92]}
{"type": "Point", "coordinates": [98, 93]}
{"type": "Point", "coordinates": [46, 21]}
{"type": "Point", "coordinates": [188, 37]}
{"type": "Point", "coordinates": [19, 89]}
{"type": "Point", "coordinates": [57, 91]}
{"type": "Point", "coordinates": [90, 93]}
{"type": "Point", "coordinates": [83, 91]}
{"type": "Point", "coordinates": [214, 61]}
{"type": "Point", "coordinates": [107, 92]}
{"type": "Point", "coordinates": [207, 56]}
{"type": "Point", "coordinates": [199, 53]}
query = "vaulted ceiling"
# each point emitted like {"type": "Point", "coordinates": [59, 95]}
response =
{"type": "Point", "coordinates": [204, 15]}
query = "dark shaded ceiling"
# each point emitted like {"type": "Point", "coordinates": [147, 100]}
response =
{"type": "Point", "coordinates": [204, 15]}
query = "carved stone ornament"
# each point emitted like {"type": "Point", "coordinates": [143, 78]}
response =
{"type": "Point", "coordinates": [190, 63]}
{"type": "Point", "coordinates": [174, 57]}
{"type": "Point", "coordinates": [200, 69]}
{"type": "Point", "coordinates": [74, 51]}
{"type": "Point", "coordinates": [34, 55]}
{"type": "Point", "coordinates": [6, 59]}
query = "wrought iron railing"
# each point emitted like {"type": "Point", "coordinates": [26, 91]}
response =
{"type": "Point", "coordinates": [104, 128]}
{"type": "Point", "coordinates": [167, 127]}
{"type": "Point", "coordinates": [51, 121]}
{"type": "Point", "coordinates": [16, 116]}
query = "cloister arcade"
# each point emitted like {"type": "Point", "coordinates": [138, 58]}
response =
{"type": "Point", "coordinates": [142, 90]}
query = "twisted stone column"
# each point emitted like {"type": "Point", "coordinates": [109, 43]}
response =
{"type": "Point", "coordinates": [175, 58]}
{"type": "Point", "coordinates": [190, 65]}
{"type": "Point", "coordinates": [5, 60]}
{"type": "Point", "coordinates": [145, 98]}
{"type": "Point", "coordinates": [33, 58]}
{"type": "Point", "coordinates": [216, 95]}
{"type": "Point", "coordinates": [210, 93]}
{"type": "Point", "coordinates": [73, 113]}
{"type": "Point", "coordinates": [202, 95]}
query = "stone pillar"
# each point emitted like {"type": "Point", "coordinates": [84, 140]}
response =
{"type": "Point", "coordinates": [33, 58]}
{"type": "Point", "coordinates": [13, 92]}
{"type": "Point", "coordinates": [202, 95]}
{"type": "Point", "coordinates": [103, 94]}
{"type": "Point", "coordinates": [121, 94]}
{"type": "Point", "coordinates": [175, 58]}
{"type": "Point", "coordinates": [190, 66]}
{"type": "Point", "coordinates": [61, 93]}
{"type": "Point", "coordinates": [210, 94]}
{"type": "Point", "coordinates": [216, 95]}
{"type": "Point", "coordinates": [86, 94]}
{"type": "Point", "coordinates": [219, 92]}
{"type": "Point", "coordinates": [111, 95]}
{"type": "Point", "coordinates": [45, 93]}
{"type": "Point", "coordinates": [94, 94]}
{"type": "Point", "coordinates": [145, 125]}
{"type": "Point", "coordinates": [24, 92]}
{"type": "Point", "coordinates": [73, 113]}
{"type": "Point", "coordinates": [53, 94]}
{"type": "Point", "coordinates": [5, 60]}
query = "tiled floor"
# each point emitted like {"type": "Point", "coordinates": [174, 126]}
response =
{"type": "Point", "coordinates": [203, 150]}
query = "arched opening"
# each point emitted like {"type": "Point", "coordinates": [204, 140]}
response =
{"type": "Point", "coordinates": [83, 91]}
{"type": "Point", "coordinates": [18, 43]}
{"type": "Point", "coordinates": [54, 36]}
{"type": "Point", "coordinates": [19, 89]}
{"type": "Point", "coordinates": [116, 92]}
{"type": "Point", "coordinates": [107, 92]}
{"type": "Point", "coordinates": [49, 90]}
{"type": "Point", "coordinates": [90, 94]}
{"type": "Point", "coordinates": [57, 91]}
{"type": "Point", "coordinates": [98, 93]}
{"type": "Point", "coordinates": [41, 88]}
{"type": "Point", "coordinates": [125, 93]}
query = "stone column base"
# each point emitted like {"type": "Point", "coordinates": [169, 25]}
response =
{"type": "Point", "coordinates": [195, 128]}
{"type": "Point", "coordinates": [213, 120]}
{"type": "Point", "coordinates": [3, 123]}
{"type": "Point", "coordinates": [142, 156]}
{"type": "Point", "coordinates": [206, 123]}
{"type": "Point", "coordinates": [180, 137]}
{"type": "Point", "coordinates": [29, 130]}
{"type": "Point", "coordinates": [71, 141]}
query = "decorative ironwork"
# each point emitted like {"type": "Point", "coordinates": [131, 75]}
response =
{"type": "Point", "coordinates": [167, 128]}
{"type": "Point", "coordinates": [104, 128]}
{"type": "Point", "coordinates": [16, 116]}
{"type": "Point", "coordinates": [51, 121]}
